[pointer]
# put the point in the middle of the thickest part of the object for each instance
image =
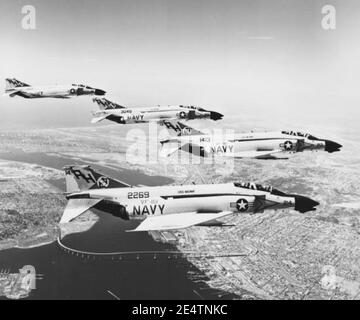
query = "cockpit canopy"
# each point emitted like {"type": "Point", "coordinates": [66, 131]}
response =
{"type": "Point", "coordinates": [193, 107]}
{"type": "Point", "coordinates": [260, 187]}
{"type": "Point", "coordinates": [300, 134]}
{"type": "Point", "coordinates": [253, 186]}
{"type": "Point", "coordinates": [81, 86]}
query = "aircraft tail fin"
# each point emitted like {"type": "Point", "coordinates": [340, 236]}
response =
{"type": "Point", "coordinates": [105, 104]}
{"type": "Point", "coordinates": [180, 128]}
{"type": "Point", "coordinates": [83, 177]}
{"type": "Point", "coordinates": [14, 83]}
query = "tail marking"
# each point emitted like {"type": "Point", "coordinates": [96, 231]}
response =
{"type": "Point", "coordinates": [79, 178]}
{"type": "Point", "coordinates": [105, 104]}
{"type": "Point", "coordinates": [180, 128]}
{"type": "Point", "coordinates": [14, 83]}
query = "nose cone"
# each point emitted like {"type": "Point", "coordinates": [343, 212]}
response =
{"type": "Point", "coordinates": [215, 115]}
{"type": "Point", "coordinates": [305, 204]}
{"type": "Point", "coordinates": [99, 92]}
{"type": "Point", "coordinates": [331, 146]}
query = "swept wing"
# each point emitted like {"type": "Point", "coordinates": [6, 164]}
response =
{"type": "Point", "coordinates": [178, 220]}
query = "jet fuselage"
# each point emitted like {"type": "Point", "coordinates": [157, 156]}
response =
{"type": "Point", "coordinates": [138, 202]}
{"type": "Point", "coordinates": [55, 91]}
{"type": "Point", "coordinates": [148, 114]}
{"type": "Point", "coordinates": [242, 145]}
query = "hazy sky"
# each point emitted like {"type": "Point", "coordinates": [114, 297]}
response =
{"type": "Point", "coordinates": [269, 59]}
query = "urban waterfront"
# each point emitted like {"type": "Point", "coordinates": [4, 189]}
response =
{"type": "Point", "coordinates": [66, 276]}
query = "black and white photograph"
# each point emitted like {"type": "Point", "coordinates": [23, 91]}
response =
{"type": "Point", "coordinates": [181, 150]}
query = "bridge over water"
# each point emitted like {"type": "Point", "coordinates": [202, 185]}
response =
{"type": "Point", "coordinates": [136, 255]}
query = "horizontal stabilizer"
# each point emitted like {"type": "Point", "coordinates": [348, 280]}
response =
{"type": "Point", "coordinates": [14, 93]}
{"type": "Point", "coordinates": [98, 119]}
{"type": "Point", "coordinates": [168, 151]}
{"type": "Point", "coordinates": [178, 220]}
{"type": "Point", "coordinates": [76, 207]}
{"type": "Point", "coordinates": [18, 93]}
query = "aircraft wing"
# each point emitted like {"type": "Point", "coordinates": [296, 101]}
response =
{"type": "Point", "coordinates": [76, 207]}
{"type": "Point", "coordinates": [178, 220]}
{"type": "Point", "coordinates": [62, 97]}
{"type": "Point", "coordinates": [258, 154]}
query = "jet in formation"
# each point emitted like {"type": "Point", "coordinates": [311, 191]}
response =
{"type": "Point", "coordinates": [123, 115]}
{"type": "Point", "coordinates": [15, 87]}
{"type": "Point", "coordinates": [172, 207]}
{"type": "Point", "coordinates": [258, 145]}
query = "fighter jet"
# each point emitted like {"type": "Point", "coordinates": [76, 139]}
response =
{"type": "Point", "coordinates": [258, 145]}
{"type": "Point", "coordinates": [15, 87]}
{"type": "Point", "coordinates": [120, 114]}
{"type": "Point", "coordinates": [171, 207]}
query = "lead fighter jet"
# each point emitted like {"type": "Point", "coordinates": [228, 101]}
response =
{"type": "Point", "coordinates": [259, 145]}
{"type": "Point", "coordinates": [15, 87]}
{"type": "Point", "coordinates": [172, 207]}
{"type": "Point", "coordinates": [123, 115]}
